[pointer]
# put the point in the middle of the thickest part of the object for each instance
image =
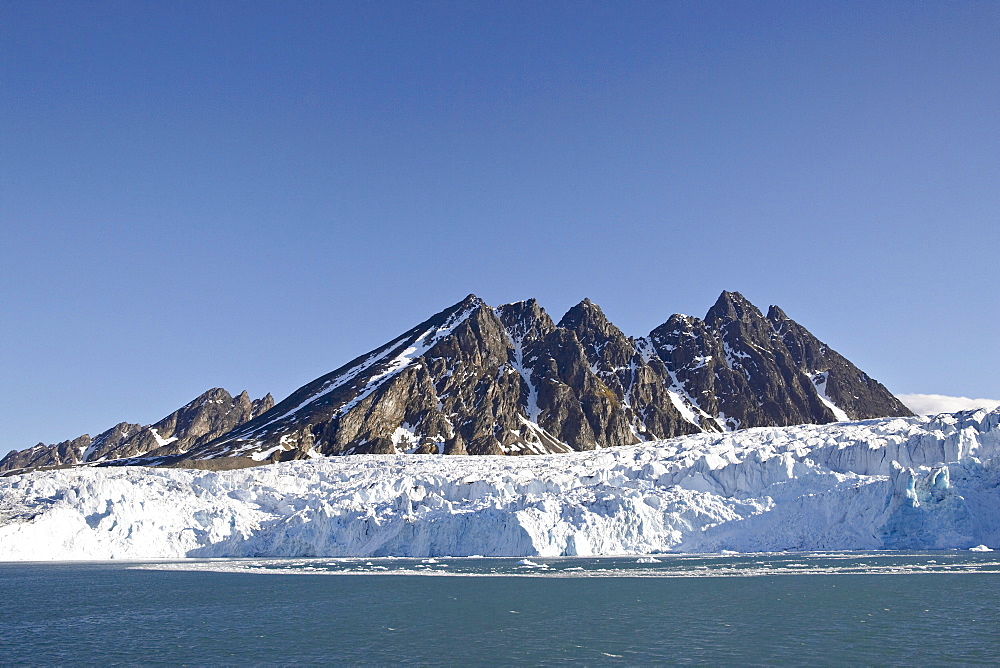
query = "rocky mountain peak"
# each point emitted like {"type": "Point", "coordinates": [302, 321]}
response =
{"type": "Point", "coordinates": [675, 324]}
{"type": "Point", "coordinates": [473, 379]}
{"type": "Point", "coordinates": [847, 391]}
{"type": "Point", "coordinates": [525, 320]}
{"type": "Point", "coordinates": [477, 380]}
{"type": "Point", "coordinates": [775, 314]}
{"type": "Point", "coordinates": [739, 324]}
{"type": "Point", "coordinates": [610, 354]}
{"type": "Point", "coordinates": [589, 322]}
{"type": "Point", "coordinates": [732, 306]}
{"type": "Point", "coordinates": [202, 419]}
{"type": "Point", "coordinates": [470, 302]}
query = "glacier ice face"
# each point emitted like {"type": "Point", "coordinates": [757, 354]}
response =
{"type": "Point", "coordinates": [899, 483]}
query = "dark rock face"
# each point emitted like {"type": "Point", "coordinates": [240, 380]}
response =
{"type": "Point", "coordinates": [478, 380]}
{"type": "Point", "coordinates": [507, 380]}
{"type": "Point", "coordinates": [210, 415]}
{"type": "Point", "coordinates": [474, 380]}
{"type": "Point", "coordinates": [448, 385]}
{"type": "Point", "coordinates": [639, 386]}
{"type": "Point", "coordinates": [61, 454]}
{"type": "Point", "coordinates": [853, 391]}
{"type": "Point", "coordinates": [738, 368]}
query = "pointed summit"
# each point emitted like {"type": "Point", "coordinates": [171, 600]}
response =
{"type": "Point", "coordinates": [731, 306]}
{"type": "Point", "coordinates": [604, 344]}
{"type": "Point", "coordinates": [678, 322]}
{"type": "Point", "coordinates": [471, 301]}
{"type": "Point", "coordinates": [459, 310]}
{"type": "Point", "coordinates": [588, 320]}
{"type": "Point", "coordinates": [472, 379]}
{"type": "Point", "coordinates": [775, 314]}
{"type": "Point", "coordinates": [525, 320]}
{"type": "Point", "coordinates": [582, 310]}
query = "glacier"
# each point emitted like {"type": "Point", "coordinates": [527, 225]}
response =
{"type": "Point", "coordinates": [925, 482]}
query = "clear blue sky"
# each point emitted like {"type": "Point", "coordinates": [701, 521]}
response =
{"type": "Point", "coordinates": [247, 195]}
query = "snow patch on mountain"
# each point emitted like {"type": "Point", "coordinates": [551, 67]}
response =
{"type": "Point", "coordinates": [819, 382]}
{"type": "Point", "coordinates": [159, 439]}
{"type": "Point", "coordinates": [424, 342]}
{"type": "Point", "coordinates": [906, 483]}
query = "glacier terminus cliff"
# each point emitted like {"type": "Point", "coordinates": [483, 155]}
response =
{"type": "Point", "coordinates": [921, 482]}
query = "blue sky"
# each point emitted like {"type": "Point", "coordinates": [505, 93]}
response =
{"type": "Point", "coordinates": [247, 195]}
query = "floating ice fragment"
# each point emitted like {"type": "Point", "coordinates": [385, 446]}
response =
{"type": "Point", "coordinates": [980, 548]}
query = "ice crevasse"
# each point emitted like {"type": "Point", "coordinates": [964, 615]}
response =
{"type": "Point", "coordinates": [900, 483]}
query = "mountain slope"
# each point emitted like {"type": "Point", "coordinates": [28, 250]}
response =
{"type": "Point", "coordinates": [206, 417]}
{"type": "Point", "coordinates": [474, 379]}
{"type": "Point", "coordinates": [469, 380]}
{"type": "Point", "coordinates": [738, 368]}
{"type": "Point", "coordinates": [837, 381]}
{"type": "Point", "coordinates": [508, 380]}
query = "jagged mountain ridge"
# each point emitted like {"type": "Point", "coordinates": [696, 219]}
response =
{"type": "Point", "coordinates": [738, 368]}
{"type": "Point", "coordinates": [205, 418]}
{"type": "Point", "coordinates": [474, 379]}
{"type": "Point", "coordinates": [470, 380]}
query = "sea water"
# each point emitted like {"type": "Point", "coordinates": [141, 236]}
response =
{"type": "Point", "coordinates": [827, 609]}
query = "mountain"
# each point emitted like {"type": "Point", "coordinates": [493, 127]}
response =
{"type": "Point", "coordinates": [208, 416]}
{"type": "Point", "coordinates": [474, 379]}
{"type": "Point", "coordinates": [738, 368]}
{"type": "Point", "coordinates": [470, 380]}
{"type": "Point", "coordinates": [896, 483]}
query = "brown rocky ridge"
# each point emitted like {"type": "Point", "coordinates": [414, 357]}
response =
{"type": "Point", "coordinates": [474, 379]}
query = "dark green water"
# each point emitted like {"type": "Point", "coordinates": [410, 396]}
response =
{"type": "Point", "coordinates": [611, 612]}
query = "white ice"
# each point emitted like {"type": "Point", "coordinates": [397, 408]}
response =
{"type": "Point", "coordinates": [913, 483]}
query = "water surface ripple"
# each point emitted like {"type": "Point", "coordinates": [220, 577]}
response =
{"type": "Point", "coordinates": [816, 609]}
